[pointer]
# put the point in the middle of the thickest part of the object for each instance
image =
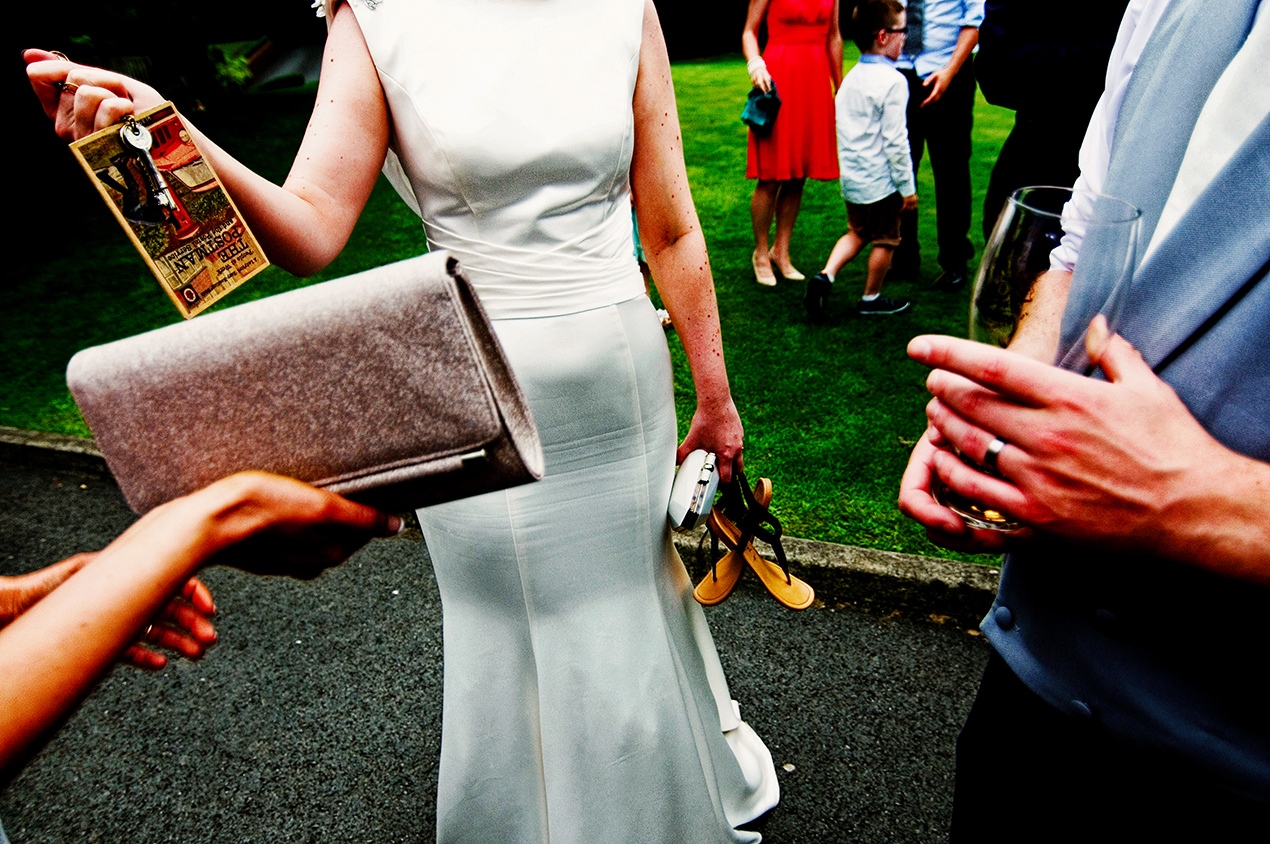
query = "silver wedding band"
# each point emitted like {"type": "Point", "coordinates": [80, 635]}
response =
{"type": "Point", "coordinates": [993, 452]}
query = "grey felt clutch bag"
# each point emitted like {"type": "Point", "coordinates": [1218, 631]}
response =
{"type": "Point", "coordinates": [387, 386]}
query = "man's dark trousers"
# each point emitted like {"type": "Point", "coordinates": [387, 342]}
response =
{"type": "Point", "coordinates": [944, 127]}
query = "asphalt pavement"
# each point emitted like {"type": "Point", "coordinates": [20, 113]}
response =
{"type": "Point", "coordinates": [317, 716]}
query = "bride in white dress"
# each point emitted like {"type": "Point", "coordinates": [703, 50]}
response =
{"type": "Point", "coordinates": [584, 700]}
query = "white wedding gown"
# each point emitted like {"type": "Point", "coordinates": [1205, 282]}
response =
{"type": "Point", "coordinates": [584, 700]}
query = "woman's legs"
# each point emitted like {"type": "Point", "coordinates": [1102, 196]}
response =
{"type": "Point", "coordinates": [762, 209]}
{"type": "Point", "coordinates": [781, 200]}
{"type": "Point", "coordinates": [789, 200]}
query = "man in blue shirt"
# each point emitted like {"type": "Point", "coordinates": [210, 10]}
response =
{"type": "Point", "coordinates": [942, 34]}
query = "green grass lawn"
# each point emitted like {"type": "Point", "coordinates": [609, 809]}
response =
{"type": "Point", "coordinates": [830, 411]}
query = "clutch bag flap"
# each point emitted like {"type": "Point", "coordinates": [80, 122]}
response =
{"type": "Point", "coordinates": [387, 386]}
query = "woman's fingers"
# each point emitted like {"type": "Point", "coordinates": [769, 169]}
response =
{"type": "Point", "coordinates": [189, 623]}
{"type": "Point", "coordinates": [89, 109]}
{"type": "Point", "coordinates": [199, 596]}
{"type": "Point", "coordinates": [915, 499]}
{"type": "Point", "coordinates": [168, 638]}
{"type": "Point", "coordinates": [80, 99]}
{"type": "Point", "coordinates": [943, 527]}
{"type": "Point", "coordinates": [183, 626]}
{"type": "Point", "coordinates": [46, 73]}
{"type": "Point", "coordinates": [144, 658]}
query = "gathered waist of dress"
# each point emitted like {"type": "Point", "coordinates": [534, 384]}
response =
{"type": "Point", "coordinates": [799, 36]}
{"type": "Point", "coordinates": [523, 283]}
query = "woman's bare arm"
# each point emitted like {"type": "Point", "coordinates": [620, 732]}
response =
{"type": "Point", "coordinates": [676, 248]}
{"type": "Point", "coordinates": [53, 654]}
{"type": "Point", "coordinates": [302, 224]}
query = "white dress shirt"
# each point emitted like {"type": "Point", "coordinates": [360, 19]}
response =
{"type": "Point", "coordinates": [873, 155]}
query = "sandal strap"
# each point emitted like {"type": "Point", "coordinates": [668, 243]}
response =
{"type": "Point", "coordinates": [756, 516]}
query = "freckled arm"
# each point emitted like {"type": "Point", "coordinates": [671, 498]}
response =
{"type": "Point", "coordinates": [676, 248]}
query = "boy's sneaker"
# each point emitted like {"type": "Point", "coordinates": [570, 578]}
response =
{"type": "Point", "coordinates": [817, 298]}
{"type": "Point", "coordinates": [950, 281]}
{"type": "Point", "coordinates": [882, 305]}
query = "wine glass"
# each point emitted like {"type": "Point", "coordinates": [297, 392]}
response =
{"type": "Point", "coordinates": [1033, 223]}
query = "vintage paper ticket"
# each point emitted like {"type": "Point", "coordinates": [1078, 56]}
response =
{"type": "Point", "coordinates": [169, 201]}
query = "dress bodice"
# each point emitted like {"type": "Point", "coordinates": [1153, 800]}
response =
{"type": "Point", "coordinates": [512, 134]}
{"type": "Point", "coordinates": [799, 21]}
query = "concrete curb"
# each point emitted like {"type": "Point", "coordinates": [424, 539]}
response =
{"type": "Point", "coordinates": [842, 575]}
{"type": "Point", "coordinates": [879, 581]}
{"type": "Point", "coordinates": [55, 451]}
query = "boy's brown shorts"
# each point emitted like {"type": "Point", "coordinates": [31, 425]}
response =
{"type": "Point", "coordinates": [878, 222]}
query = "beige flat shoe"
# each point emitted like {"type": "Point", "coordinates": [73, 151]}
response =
{"type": "Point", "coordinates": [763, 271]}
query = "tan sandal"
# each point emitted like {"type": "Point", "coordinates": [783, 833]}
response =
{"type": "Point", "coordinates": [716, 586]}
{"type": "Point", "coordinates": [738, 535]}
{"type": "Point", "coordinates": [789, 590]}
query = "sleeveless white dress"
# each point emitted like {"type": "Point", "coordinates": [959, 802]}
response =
{"type": "Point", "coordinates": [584, 701]}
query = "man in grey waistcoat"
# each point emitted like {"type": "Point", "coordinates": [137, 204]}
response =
{"type": "Point", "coordinates": [1131, 630]}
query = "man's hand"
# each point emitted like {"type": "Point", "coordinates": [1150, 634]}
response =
{"type": "Point", "coordinates": [1118, 463]}
{"type": "Point", "coordinates": [938, 83]}
{"type": "Point", "coordinates": [944, 527]}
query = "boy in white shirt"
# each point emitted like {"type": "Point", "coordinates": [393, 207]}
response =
{"type": "Point", "coordinates": [873, 158]}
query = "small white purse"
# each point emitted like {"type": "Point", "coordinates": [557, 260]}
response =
{"type": "Point", "coordinates": [692, 495]}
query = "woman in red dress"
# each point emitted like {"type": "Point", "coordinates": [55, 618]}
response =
{"type": "Point", "coordinates": [804, 60]}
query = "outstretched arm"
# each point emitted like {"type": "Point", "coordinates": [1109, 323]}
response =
{"type": "Point", "coordinates": [53, 654]}
{"type": "Point", "coordinates": [676, 249]}
{"type": "Point", "coordinates": [182, 626]}
{"type": "Point", "coordinates": [302, 224]}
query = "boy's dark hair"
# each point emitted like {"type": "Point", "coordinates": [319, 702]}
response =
{"type": "Point", "coordinates": [870, 16]}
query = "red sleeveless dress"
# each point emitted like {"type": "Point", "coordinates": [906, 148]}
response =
{"type": "Point", "coordinates": [803, 141]}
